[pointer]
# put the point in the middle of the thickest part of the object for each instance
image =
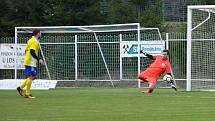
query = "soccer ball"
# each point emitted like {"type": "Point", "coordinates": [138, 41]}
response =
{"type": "Point", "coordinates": [167, 78]}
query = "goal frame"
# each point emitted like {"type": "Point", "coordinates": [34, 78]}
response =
{"type": "Point", "coordinates": [189, 39]}
{"type": "Point", "coordinates": [81, 29]}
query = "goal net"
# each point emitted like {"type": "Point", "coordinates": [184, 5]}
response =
{"type": "Point", "coordinates": [89, 55]}
{"type": "Point", "coordinates": [201, 48]}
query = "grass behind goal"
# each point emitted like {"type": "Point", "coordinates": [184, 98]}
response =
{"type": "Point", "coordinates": [104, 104]}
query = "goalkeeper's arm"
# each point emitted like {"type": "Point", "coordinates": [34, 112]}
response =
{"type": "Point", "coordinates": [147, 55]}
{"type": "Point", "coordinates": [172, 82]}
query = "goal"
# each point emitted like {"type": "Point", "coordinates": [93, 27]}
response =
{"type": "Point", "coordinates": [201, 48]}
{"type": "Point", "coordinates": [84, 54]}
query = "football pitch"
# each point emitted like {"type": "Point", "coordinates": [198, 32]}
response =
{"type": "Point", "coordinates": [107, 104]}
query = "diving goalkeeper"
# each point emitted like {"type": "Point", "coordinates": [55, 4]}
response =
{"type": "Point", "coordinates": [160, 65]}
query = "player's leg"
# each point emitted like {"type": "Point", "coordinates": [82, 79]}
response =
{"type": "Point", "coordinates": [151, 84]}
{"type": "Point", "coordinates": [150, 89]}
{"type": "Point", "coordinates": [20, 91]}
{"type": "Point", "coordinates": [20, 88]}
{"type": "Point", "coordinates": [144, 76]}
{"type": "Point", "coordinates": [23, 84]}
{"type": "Point", "coordinates": [31, 76]}
{"type": "Point", "coordinates": [28, 86]}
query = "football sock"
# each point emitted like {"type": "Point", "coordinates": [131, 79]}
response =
{"type": "Point", "coordinates": [28, 83]}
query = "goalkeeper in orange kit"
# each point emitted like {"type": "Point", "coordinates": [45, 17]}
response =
{"type": "Point", "coordinates": [160, 65]}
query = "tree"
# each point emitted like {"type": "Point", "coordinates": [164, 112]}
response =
{"type": "Point", "coordinates": [75, 12]}
{"type": "Point", "coordinates": [139, 4]}
{"type": "Point", "coordinates": [48, 13]}
{"type": "Point", "coordinates": [20, 13]}
{"type": "Point", "coordinates": [120, 12]}
{"type": "Point", "coordinates": [152, 17]}
{"type": "Point", "coordinates": [207, 2]}
{"type": "Point", "coordinates": [4, 24]}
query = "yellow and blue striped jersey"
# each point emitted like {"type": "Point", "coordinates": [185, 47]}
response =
{"type": "Point", "coordinates": [29, 60]}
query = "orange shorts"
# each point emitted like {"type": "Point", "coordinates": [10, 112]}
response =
{"type": "Point", "coordinates": [148, 77]}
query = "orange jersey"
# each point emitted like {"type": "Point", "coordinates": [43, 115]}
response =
{"type": "Point", "coordinates": [159, 66]}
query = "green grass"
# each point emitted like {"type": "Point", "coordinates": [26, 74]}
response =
{"type": "Point", "coordinates": [102, 104]}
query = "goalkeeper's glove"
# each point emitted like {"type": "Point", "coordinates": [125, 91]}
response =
{"type": "Point", "coordinates": [173, 86]}
{"type": "Point", "coordinates": [147, 55]}
{"type": "Point", "coordinates": [141, 51]}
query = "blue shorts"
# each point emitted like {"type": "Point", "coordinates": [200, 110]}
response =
{"type": "Point", "coordinates": [30, 71]}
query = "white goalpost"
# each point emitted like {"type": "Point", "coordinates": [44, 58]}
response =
{"type": "Point", "coordinates": [79, 53]}
{"type": "Point", "coordinates": [92, 53]}
{"type": "Point", "coordinates": [200, 47]}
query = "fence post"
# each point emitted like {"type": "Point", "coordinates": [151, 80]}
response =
{"type": "Point", "coordinates": [167, 41]}
{"type": "Point", "coordinates": [76, 57]}
{"type": "Point", "coordinates": [120, 38]}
